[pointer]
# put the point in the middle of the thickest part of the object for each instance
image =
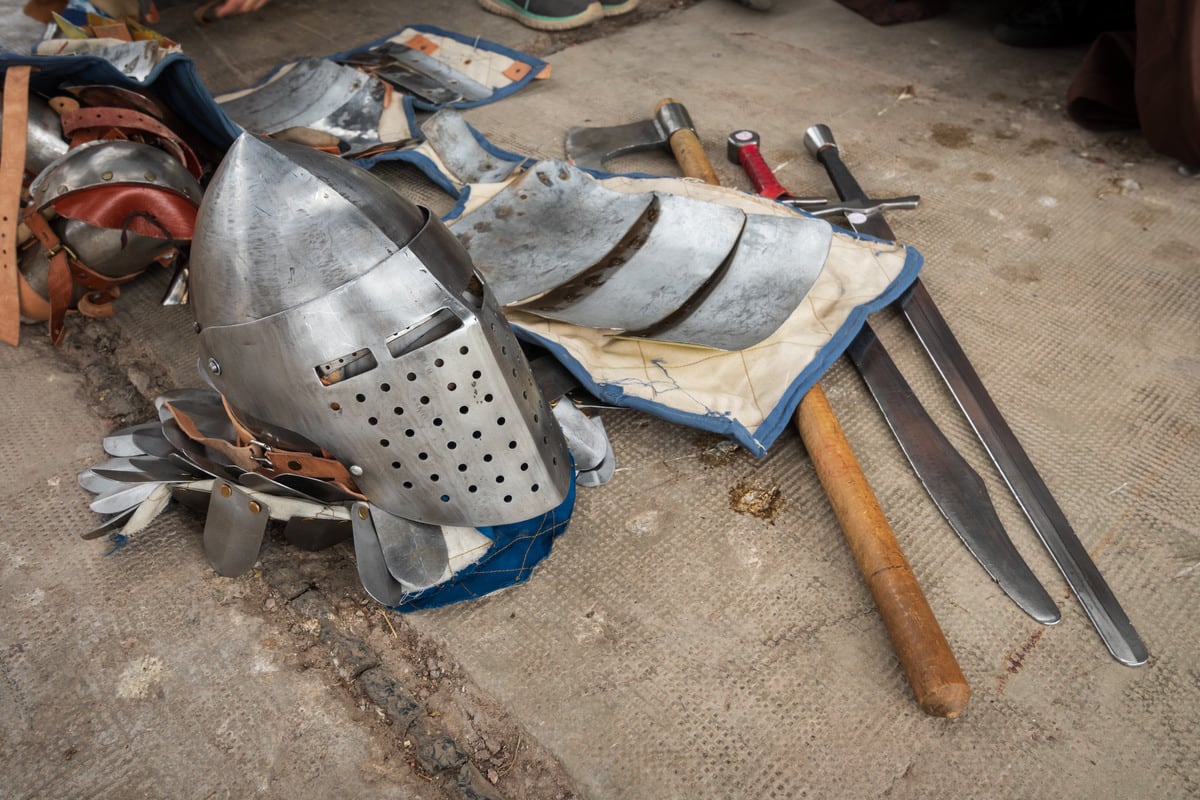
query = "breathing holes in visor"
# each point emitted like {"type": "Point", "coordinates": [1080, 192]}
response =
{"type": "Point", "coordinates": [345, 367]}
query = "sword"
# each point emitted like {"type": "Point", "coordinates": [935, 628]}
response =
{"type": "Point", "coordinates": [1031, 492]}
{"type": "Point", "coordinates": [954, 486]}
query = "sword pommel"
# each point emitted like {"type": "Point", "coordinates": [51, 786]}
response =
{"type": "Point", "coordinates": [818, 138]}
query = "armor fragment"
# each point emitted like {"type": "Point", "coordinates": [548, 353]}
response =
{"type": "Point", "coordinates": [561, 245]}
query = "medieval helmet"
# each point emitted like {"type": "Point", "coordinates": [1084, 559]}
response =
{"type": "Point", "coordinates": [116, 206]}
{"type": "Point", "coordinates": [334, 313]}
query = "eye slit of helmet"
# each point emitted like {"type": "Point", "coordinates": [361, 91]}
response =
{"type": "Point", "coordinates": [438, 324]}
{"type": "Point", "coordinates": [344, 367]}
{"type": "Point", "coordinates": [472, 295]}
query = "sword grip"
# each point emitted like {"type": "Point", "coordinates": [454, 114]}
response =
{"type": "Point", "coordinates": [819, 141]}
{"type": "Point", "coordinates": [933, 672]}
{"type": "Point", "coordinates": [761, 175]}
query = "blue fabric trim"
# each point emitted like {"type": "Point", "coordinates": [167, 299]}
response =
{"type": "Point", "coordinates": [499, 152]}
{"type": "Point", "coordinates": [174, 80]}
{"type": "Point", "coordinates": [516, 550]}
{"type": "Point", "coordinates": [418, 160]}
{"type": "Point", "coordinates": [536, 65]}
{"type": "Point", "coordinates": [430, 170]}
{"type": "Point", "coordinates": [457, 211]}
{"type": "Point", "coordinates": [780, 416]}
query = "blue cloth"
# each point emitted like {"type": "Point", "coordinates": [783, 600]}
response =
{"type": "Point", "coordinates": [516, 550]}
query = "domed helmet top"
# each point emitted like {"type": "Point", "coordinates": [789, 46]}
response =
{"type": "Point", "coordinates": [334, 312]}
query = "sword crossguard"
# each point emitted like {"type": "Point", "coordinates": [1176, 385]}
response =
{"type": "Point", "coordinates": [868, 206]}
{"type": "Point", "coordinates": [819, 142]}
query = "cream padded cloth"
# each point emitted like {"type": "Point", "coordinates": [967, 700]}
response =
{"type": "Point", "coordinates": [748, 394]}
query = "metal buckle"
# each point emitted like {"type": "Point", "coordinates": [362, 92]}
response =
{"type": "Point", "coordinates": [61, 248]}
{"type": "Point", "coordinates": [262, 447]}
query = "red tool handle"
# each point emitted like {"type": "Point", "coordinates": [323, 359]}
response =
{"type": "Point", "coordinates": [750, 157]}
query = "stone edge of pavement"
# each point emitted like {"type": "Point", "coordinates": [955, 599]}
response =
{"type": "Point", "coordinates": [429, 747]}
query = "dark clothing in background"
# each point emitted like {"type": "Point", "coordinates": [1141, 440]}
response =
{"type": "Point", "coordinates": [1148, 79]}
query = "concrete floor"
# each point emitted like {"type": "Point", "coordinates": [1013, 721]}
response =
{"type": "Point", "coordinates": [672, 647]}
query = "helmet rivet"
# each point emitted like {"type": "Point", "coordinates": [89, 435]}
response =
{"type": "Point", "coordinates": [363, 513]}
{"type": "Point", "coordinates": [150, 175]}
{"type": "Point", "coordinates": [356, 470]}
{"type": "Point", "coordinates": [214, 366]}
{"type": "Point", "coordinates": [106, 175]}
{"type": "Point", "coordinates": [63, 189]}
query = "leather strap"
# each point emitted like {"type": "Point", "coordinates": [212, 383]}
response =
{"type": "Point", "coordinates": [12, 180]}
{"type": "Point", "coordinates": [58, 282]}
{"type": "Point", "coordinates": [253, 456]}
{"type": "Point", "coordinates": [33, 305]}
{"type": "Point", "coordinates": [89, 124]}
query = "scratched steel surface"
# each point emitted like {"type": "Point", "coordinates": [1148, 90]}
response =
{"type": "Point", "coordinates": [675, 647]}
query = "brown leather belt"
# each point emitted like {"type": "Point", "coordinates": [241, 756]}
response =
{"type": "Point", "coordinates": [89, 124]}
{"type": "Point", "coordinates": [12, 179]}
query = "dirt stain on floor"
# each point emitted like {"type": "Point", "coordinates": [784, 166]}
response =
{"type": "Point", "coordinates": [954, 137]}
{"type": "Point", "coordinates": [764, 502]}
{"type": "Point", "coordinates": [1039, 145]}
{"type": "Point", "coordinates": [1016, 659]}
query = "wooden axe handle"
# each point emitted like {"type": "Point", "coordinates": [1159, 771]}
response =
{"type": "Point", "coordinates": [688, 150]}
{"type": "Point", "coordinates": [932, 670]}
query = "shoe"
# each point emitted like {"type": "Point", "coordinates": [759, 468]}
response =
{"type": "Point", "coordinates": [1052, 23]}
{"type": "Point", "coordinates": [614, 8]}
{"type": "Point", "coordinates": [548, 15]}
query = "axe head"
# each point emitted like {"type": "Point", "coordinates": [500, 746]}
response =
{"type": "Point", "coordinates": [591, 147]}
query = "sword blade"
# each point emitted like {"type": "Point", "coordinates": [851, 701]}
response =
{"type": "Point", "coordinates": [955, 487]}
{"type": "Point", "coordinates": [1035, 498]}
{"type": "Point", "coordinates": [1023, 479]}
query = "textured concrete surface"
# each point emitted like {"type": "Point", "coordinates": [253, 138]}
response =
{"type": "Point", "coordinates": [671, 646]}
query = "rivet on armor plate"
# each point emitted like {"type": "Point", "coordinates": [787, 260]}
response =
{"type": "Point", "coordinates": [356, 470]}
{"type": "Point", "coordinates": [363, 513]}
{"type": "Point", "coordinates": [255, 507]}
{"type": "Point", "coordinates": [226, 490]}
{"type": "Point", "coordinates": [214, 366]}
{"type": "Point", "coordinates": [106, 175]}
{"type": "Point", "coordinates": [150, 176]}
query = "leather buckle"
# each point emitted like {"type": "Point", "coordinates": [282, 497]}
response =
{"type": "Point", "coordinates": [258, 453]}
{"type": "Point", "coordinates": [60, 247]}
